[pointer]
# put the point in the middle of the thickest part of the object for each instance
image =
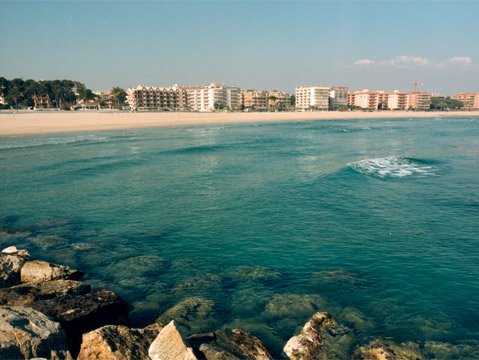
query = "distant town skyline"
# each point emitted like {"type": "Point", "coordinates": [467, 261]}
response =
{"type": "Point", "coordinates": [262, 45]}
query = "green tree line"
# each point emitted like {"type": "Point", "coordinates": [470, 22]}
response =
{"type": "Point", "coordinates": [56, 94]}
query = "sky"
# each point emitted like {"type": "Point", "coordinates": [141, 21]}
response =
{"type": "Point", "coordinates": [376, 45]}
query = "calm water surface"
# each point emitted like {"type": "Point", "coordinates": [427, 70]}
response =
{"type": "Point", "coordinates": [374, 221]}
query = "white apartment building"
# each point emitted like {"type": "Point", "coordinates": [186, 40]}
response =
{"type": "Point", "coordinates": [213, 97]}
{"type": "Point", "coordinates": [397, 100]}
{"type": "Point", "coordinates": [312, 98]}
{"type": "Point", "coordinates": [338, 96]}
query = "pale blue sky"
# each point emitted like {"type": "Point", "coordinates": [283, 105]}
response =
{"type": "Point", "coordinates": [251, 44]}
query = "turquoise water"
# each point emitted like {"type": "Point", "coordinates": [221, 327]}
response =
{"type": "Point", "coordinates": [374, 221]}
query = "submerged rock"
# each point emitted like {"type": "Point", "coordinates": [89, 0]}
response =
{"type": "Point", "coordinates": [193, 314]}
{"type": "Point", "coordinates": [48, 242]}
{"type": "Point", "coordinates": [387, 350]}
{"type": "Point", "coordinates": [10, 269]}
{"type": "Point", "coordinates": [261, 274]}
{"type": "Point", "coordinates": [446, 351]}
{"type": "Point", "coordinates": [28, 293]}
{"type": "Point", "coordinates": [337, 277]}
{"type": "Point", "coordinates": [170, 345]}
{"type": "Point", "coordinates": [320, 339]}
{"type": "Point", "coordinates": [139, 266]}
{"type": "Point", "coordinates": [117, 342]}
{"type": "Point", "coordinates": [229, 344]}
{"type": "Point", "coordinates": [27, 333]}
{"type": "Point", "coordinates": [36, 270]}
{"type": "Point", "coordinates": [199, 285]}
{"type": "Point", "coordinates": [293, 305]}
{"type": "Point", "coordinates": [355, 318]}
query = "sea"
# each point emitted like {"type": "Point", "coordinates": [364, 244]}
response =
{"type": "Point", "coordinates": [261, 225]}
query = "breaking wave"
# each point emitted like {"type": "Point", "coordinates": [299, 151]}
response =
{"type": "Point", "coordinates": [394, 167]}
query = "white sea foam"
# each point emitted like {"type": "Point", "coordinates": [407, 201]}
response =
{"type": "Point", "coordinates": [393, 167]}
{"type": "Point", "coordinates": [18, 142]}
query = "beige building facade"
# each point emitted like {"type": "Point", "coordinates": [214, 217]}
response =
{"type": "Point", "coordinates": [469, 100]}
{"type": "Point", "coordinates": [143, 98]}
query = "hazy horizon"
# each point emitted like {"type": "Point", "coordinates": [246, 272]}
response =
{"type": "Point", "coordinates": [262, 45]}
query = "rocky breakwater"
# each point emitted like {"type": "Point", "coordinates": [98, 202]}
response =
{"type": "Point", "coordinates": [47, 312]}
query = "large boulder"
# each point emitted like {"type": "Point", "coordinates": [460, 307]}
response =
{"type": "Point", "coordinates": [10, 268]}
{"type": "Point", "coordinates": [227, 344]}
{"type": "Point", "coordinates": [170, 345]}
{"type": "Point", "coordinates": [29, 293]}
{"type": "Point", "coordinates": [36, 270]}
{"type": "Point", "coordinates": [193, 314]}
{"type": "Point", "coordinates": [321, 338]}
{"type": "Point", "coordinates": [388, 350]}
{"type": "Point", "coordinates": [83, 313]}
{"type": "Point", "coordinates": [118, 342]}
{"type": "Point", "coordinates": [26, 333]}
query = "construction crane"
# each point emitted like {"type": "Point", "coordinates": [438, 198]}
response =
{"type": "Point", "coordinates": [414, 84]}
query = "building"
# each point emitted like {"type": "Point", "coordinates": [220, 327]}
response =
{"type": "Point", "coordinates": [398, 100]}
{"type": "Point", "coordinates": [278, 100]}
{"type": "Point", "coordinates": [338, 97]}
{"type": "Point", "coordinates": [420, 101]}
{"type": "Point", "coordinates": [144, 98]}
{"type": "Point", "coordinates": [312, 98]}
{"type": "Point", "coordinates": [369, 100]}
{"type": "Point", "coordinates": [254, 100]}
{"type": "Point", "coordinates": [470, 101]}
{"type": "Point", "coordinates": [213, 97]}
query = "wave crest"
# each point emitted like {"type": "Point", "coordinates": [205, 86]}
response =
{"type": "Point", "coordinates": [15, 143]}
{"type": "Point", "coordinates": [393, 167]}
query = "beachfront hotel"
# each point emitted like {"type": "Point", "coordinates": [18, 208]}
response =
{"type": "Point", "coordinates": [312, 98]}
{"type": "Point", "coordinates": [470, 101]}
{"type": "Point", "coordinates": [144, 98]}
{"type": "Point", "coordinates": [265, 100]}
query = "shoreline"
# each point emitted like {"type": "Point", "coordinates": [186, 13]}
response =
{"type": "Point", "coordinates": [38, 123]}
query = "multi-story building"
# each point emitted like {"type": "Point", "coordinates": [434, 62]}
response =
{"type": "Point", "coordinates": [419, 101]}
{"type": "Point", "coordinates": [213, 97]}
{"type": "Point", "coordinates": [469, 100]}
{"type": "Point", "coordinates": [254, 100]}
{"type": "Point", "coordinates": [370, 100]}
{"type": "Point", "coordinates": [278, 100]}
{"type": "Point", "coordinates": [338, 97]}
{"type": "Point", "coordinates": [144, 98]}
{"type": "Point", "coordinates": [397, 100]}
{"type": "Point", "coordinates": [312, 98]}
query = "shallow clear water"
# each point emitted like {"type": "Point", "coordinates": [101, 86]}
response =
{"type": "Point", "coordinates": [374, 221]}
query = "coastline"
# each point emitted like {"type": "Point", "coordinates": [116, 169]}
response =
{"type": "Point", "coordinates": [38, 123]}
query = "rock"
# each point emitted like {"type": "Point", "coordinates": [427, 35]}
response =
{"type": "Point", "coordinates": [26, 333]}
{"type": "Point", "coordinates": [443, 351]}
{"type": "Point", "coordinates": [260, 274]}
{"type": "Point", "coordinates": [83, 313]}
{"type": "Point", "coordinates": [193, 314]}
{"type": "Point", "coordinates": [36, 270]}
{"type": "Point", "coordinates": [170, 345]}
{"type": "Point", "coordinates": [28, 293]}
{"type": "Point", "coordinates": [10, 269]}
{"type": "Point", "coordinates": [118, 342]}
{"type": "Point", "coordinates": [321, 338]}
{"type": "Point", "coordinates": [226, 344]}
{"type": "Point", "coordinates": [139, 266]}
{"type": "Point", "coordinates": [387, 350]}
{"type": "Point", "coordinates": [293, 305]}
{"type": "Point", "coordinates": [199, 285]}
{"type": "Point", "coordinates": [355, 318]}
{"type": "Point", "coordinates": [12, 250]}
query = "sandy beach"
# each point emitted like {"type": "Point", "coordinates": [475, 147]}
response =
{"type": "Point", "coordinates": [30, 123]}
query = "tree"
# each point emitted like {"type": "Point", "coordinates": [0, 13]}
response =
{"type": "Point", "coordinates": [118, 96]}
{"type": "Point", "coordinates": [445, 104]}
